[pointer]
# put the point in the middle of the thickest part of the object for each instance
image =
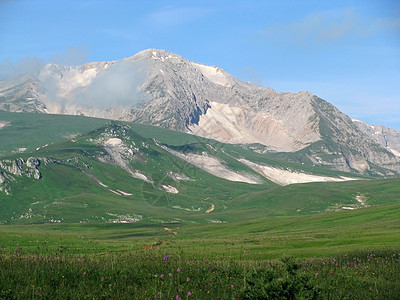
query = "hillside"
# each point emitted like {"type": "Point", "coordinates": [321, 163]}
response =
{"type": "Point", "coordinates": [95, 170]}
{"type": "Point", "coordinates": [156, 87]}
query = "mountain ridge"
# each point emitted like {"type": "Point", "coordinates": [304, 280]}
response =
{"type": "Point", "coordinates": [157, 87]}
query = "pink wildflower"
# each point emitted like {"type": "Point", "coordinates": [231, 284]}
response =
{"type": "Point", "coordinates": [189, 293]}
{"type": "Point", "coordinates": [178, 297]}
{"type": "Point", "coordinates": [188, 279]}
{"type": "Point", "coordinates": [162, 275]}
{"type": "Point", "coordinates": [170, 275]}
{"type": "Point", "coordinates": [178, 270]}
{"type": "Point", "coordinates": [84, 273]}
{"type": "Point", "coordinates": [102, 278]}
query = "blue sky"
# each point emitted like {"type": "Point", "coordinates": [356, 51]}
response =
{"type": "Point", "coordinates": [346, 52]}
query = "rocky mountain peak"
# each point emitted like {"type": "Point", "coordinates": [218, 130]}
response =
{"type": "Point", "coordinates": [156, 54]}
{"type": "Point", "coordinates": [161, 88]}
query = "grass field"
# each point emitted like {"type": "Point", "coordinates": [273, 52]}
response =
{"type": "Point", "coordinates": [352, 254]}
{"type": "Point", "coordinates": [70, 237]}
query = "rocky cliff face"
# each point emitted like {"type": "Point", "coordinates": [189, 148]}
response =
{"type": "Point", "coordinates": [160, 88]}
{"type": "Point", "coordinates": [349, 148]}
{"type": "Point", "coordinates": [386, 137]}
{"type": "Point", "coordinates": [10, 169]}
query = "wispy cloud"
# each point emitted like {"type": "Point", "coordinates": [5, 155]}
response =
{"type": "Point", "coordinates": [32, 64]}
{"type": "Point", "coordinates": [27, 65]}
{"type": "Point", "coordinates": [327, 27]}
{"type": "Point", "coordinates": [174, 16]}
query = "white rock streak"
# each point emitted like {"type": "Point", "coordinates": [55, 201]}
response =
{"type": "Point", "coordinates": [213, 166]}
{"type": "Point", "coordinates": [285, 177]}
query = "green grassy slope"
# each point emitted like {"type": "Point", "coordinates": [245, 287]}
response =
{"type": "Point", "coordinates": [35, 130]}
{"type": "Point", "coordinates": [68, 214]}
{"type": "Point", "coordinates": [81, 183]}
{"type": "Point", "coordinates": [70, 189]}
{"type": "Point", "coordinates": [311, 198]}
{"type": "Point", "coordinates": [264, 238]}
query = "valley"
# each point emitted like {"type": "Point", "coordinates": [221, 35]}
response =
{"type": "Point", "coordinates": [280, 185]}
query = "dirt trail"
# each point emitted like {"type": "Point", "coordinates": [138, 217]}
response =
{"type": "Point", "coordinates": [210, 209]}
{"type": "Point", "coordinates": [169, 230]}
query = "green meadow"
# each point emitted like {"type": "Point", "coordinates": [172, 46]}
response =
{"type": "Point", "coordinates": [66, 236]}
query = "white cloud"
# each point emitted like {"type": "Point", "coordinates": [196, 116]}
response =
{"type": "Point", "coordinates": [172, 16]}
{"type": "Point", "coordinates": [27, 65]}
{"type": "Point", "coordinates": [32, 64]}
{"type": "Point", "coordinates": [326, 27]}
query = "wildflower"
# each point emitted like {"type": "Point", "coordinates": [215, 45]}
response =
{"type": "Point", "coordinates": [232, 286]}
{"type": "Point", "coordinates": [189, 293]}
{"type": "Point", "coordinates": [102, 278]}
{"type": "Point", "coordinates": [170, 275]}
{"type": "Point", "coordinates": [18, 245]}
{"type": "Point", "coordinates": [156, 276]}
{"type": "Point", "coordinates": [129, 287]}
{"type": "Point", "coordinates": [79, 260]}
{"type": "Point", "coordinates": [178, 270]}
{"type": "Point", "coordinates": [188, 279]}
{"type": "Point", "coordinates": [245, 251]}
{"type": "Point", "coordinates": [178, 297]}
{"type": "Point", "coordinates": [162, 275]}
{"type": "Point", "coordinates": [158, 293]}
{"type": "Point", "coordinates": [166, 257]}
{"type": "Point", "coordinates": [84, 273]}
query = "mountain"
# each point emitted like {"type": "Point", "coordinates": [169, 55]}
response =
{"type": "Point", "coordinates": [156, 87]}
{"type": "Point", "coordinates": [386, 137]}
{"type": "Point", "coordinates": [59, 168]}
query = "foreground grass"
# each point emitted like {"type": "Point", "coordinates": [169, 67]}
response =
{"type": "Point", "coordinates": [155, 274]}
{"type": "Point", "coordinates": [246, 259]}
